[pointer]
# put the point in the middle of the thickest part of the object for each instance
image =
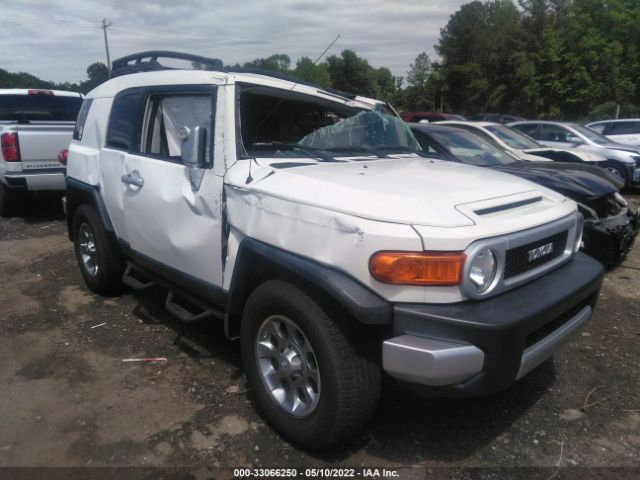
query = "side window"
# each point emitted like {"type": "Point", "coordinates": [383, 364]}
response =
{"type": "Point", "coordinates": [599, 128]}
{"type": "Point", "coordinates": [554, 133]}
{"type": "Point", "coordinates": [623, 128]}
{"type": "Point", "coordinates": [82, 119]}
{"type": "Point", "coordinates": [530, 129]}
{"type": "Point", "coordinates": [123, 122]}
{"type": "Point", "coordinates": [170, 118]}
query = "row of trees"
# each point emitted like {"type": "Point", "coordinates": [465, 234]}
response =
{"type": "Point", "coordinates": [97, 73]}
{"type": "Point", "coordinates": [543, 58]}
{"type": "Point", "coordinates": [536, 58]}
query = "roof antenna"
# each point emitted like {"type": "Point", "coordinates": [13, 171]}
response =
{"type": "Point", "coordinates": [268, 115]}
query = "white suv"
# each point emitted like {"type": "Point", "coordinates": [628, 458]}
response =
{"type": "Point", "coordinates": [314, 228]}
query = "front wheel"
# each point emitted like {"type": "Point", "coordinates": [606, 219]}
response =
{"type": "Point", "coordinates": [308, 376]}
{"type": "Point", "coordinates": [619, 171]}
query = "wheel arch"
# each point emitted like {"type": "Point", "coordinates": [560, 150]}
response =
{"type": "Point", "coordinates": [79, 193]}
{"type": "Point", "coordinates": [257, 262]}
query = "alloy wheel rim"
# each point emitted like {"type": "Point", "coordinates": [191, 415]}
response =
{"type": "Point", "coordinates": [287, 366]}
{"type": "Point", "coordinates": [615, 171]}
{"type": "Point", "coordinates": [88, 252]}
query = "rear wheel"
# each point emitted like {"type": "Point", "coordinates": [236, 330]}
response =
{"type": "Point", "coordinates": [99, 257]}
{"type": "Point", "coordinates": [308, 376]}
{"type": "Point", "coordinates": [7, 201]}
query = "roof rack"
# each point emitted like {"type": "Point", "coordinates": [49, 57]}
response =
{"type": "Point", "coordinates": [148, 62]}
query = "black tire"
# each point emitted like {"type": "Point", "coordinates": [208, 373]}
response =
{"type": "Point", "coordinates": [109, 260]}
{"type": "Point", "coordinates": [7, 201]}
{"type": "Point", "coordinates": [618, 170]}
{"type": "Point", "coordinates": [349, 378]}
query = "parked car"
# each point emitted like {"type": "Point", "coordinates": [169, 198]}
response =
{"type": "Point", "coordinates": [526, 148]}
{"type": "Point", "coordinates": [494, 117]}
{"type": "Point", "coordinates": [430, 117]}
{"type": "Point", "coordinates": [35, 125]}
{"type": "Point", "coordinates": [611, 226]}
{"type": "Point", "coordinates": [307, 223]}
{"type": "Point", "coordinates": [625, 131]}
{"type": "Point", "coordinates": [622, 160]}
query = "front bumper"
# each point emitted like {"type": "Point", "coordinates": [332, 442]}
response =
{"type": "Point", "coordinates": [480, 347]}
{"type": "Point", "coordinates": [611, 239]}
{"type": "Point", "coordinates": [32, 181]}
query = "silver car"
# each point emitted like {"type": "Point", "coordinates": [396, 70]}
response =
{"type": "Point", "coordinates": [622, 160]}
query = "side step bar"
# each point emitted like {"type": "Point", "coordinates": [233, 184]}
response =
{"type": "Point", "coordinates": [134, 283]}
{"type": "Point", "coordinates": [179, 303]}
{"type": "Point", "coordinates": [182, 311]}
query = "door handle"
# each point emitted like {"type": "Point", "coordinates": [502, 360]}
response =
{"type": "Point", "coordinates": [133, 178]}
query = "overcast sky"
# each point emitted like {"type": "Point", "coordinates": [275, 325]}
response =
{"type": "Point", "coordinates": [57, 39]}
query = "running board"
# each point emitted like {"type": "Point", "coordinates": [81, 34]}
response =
{"type": "Point", "coordinates": [188, 309]}
{"type": "Point", "coordinates": [137, 284]}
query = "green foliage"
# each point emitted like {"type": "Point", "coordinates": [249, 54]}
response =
{"type": "Point", "coordinates": [97, 73]}
{"type": "Point", "coordinates": [278, 62]}
{"type": "Point", "coordinates": [315, 73]}
{"type": "Point", "coordinates": [550, 58]}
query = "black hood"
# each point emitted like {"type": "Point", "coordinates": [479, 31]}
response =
{"type": "Point", "coordinates": [571, 180]}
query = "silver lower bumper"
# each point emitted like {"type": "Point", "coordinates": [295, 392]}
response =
{"type": "Point", "coordinates": [40, 181]}
{"type": "Point", "coordinates": [427, 361]}
{"type": "Point", "coordinates": [545, 348]}
{"type": "Point", "coordinates": [430, 362]}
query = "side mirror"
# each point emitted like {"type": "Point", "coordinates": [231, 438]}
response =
{"type": "Point", "coordinates": [576, 140]}
{"type": "Point", "coordinates": [194, 146]}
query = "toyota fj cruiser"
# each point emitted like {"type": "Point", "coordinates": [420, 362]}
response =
{"type": "Point", "coordinates": [310, 224]}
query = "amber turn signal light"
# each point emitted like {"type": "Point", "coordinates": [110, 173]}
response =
{"type": "Point", "coordinates": [418, 268]}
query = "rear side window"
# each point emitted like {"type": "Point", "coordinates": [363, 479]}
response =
{"type": "Point", "coordinates": [82, 119]}
{"type": "Point", "coordinates": [123, 131]}
{"type": "Point", "coordinates": [530, 129]}
{"type": "Point", "coordinates": [39, 108]}
{"type": "Point", "coordinates": [598, 128]}
{"type": "Point", "coordinates": [623, 128]}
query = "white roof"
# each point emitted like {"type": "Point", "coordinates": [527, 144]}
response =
{"type": "Point", "coordinates": [199, 77]}
{"type": "Point", "coordinates": [25, 91]}
{"type": "Point", "coordinates": [616, 120]}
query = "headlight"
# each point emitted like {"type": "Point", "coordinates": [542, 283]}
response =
{"type": "Point", "coordinates": [579, 229]}
{"type": "Point", "coordinates": [621, 200]}
{"type": "Point", "coordinates": [483, 270]}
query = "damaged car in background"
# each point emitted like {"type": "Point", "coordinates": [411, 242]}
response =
{"type": "Point", "coordinates": [526, 148]}
{"type": "Point", "coordinates": [311, 226]}
{"type": "Point", "coordinates": [611, 225]}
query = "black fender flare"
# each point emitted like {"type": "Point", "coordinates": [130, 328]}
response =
{"type": "Point", "coordinates": [77, 193]}
{"type": "Point", "coordinates": [257, 262]}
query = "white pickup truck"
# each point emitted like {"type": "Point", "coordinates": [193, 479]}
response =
{"type": "Point", "coordinates": [35, 125]}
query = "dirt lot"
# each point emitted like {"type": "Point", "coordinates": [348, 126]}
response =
{"type": "Point", "coordinates": [67, 399]}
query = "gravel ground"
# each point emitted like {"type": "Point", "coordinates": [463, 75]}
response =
{"type": "Point", "coordinates": [67, 399]}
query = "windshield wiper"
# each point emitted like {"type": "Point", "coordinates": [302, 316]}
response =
{"type": "Point", "coordinates": [315, 152]}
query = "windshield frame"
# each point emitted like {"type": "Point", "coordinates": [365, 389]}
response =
{"type": "Point", "coordinates": [324, 101]}
{"type": "Point", "coordinates": [590, 135]}
{"type": "Point", "coordinates": [442, 137]}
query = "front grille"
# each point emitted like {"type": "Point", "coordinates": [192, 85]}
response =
{"type": "Point", "coordinates": [517, 259]}
{"type": "Point", "coordinates": [548, 328]}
